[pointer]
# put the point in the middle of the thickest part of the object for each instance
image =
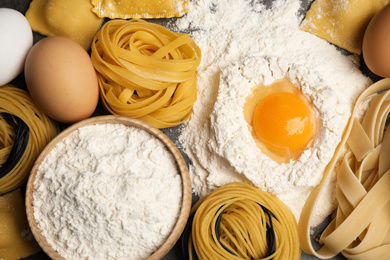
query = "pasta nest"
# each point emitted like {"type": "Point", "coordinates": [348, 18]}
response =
{"type": "Point", "coordinates": [146, 71]}
{"type": "Point", "coordinates": [238, 221]}
{"type": "Point", "coordinates": [24, 131]}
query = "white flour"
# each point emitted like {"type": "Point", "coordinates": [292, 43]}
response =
{"type": "Point", "coordinates": [230, 34]}
{"type": "Point", "coordinates": [107, 192]}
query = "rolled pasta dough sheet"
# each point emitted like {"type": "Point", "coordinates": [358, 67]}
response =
{"type": "Point", "coordinates": [16, 239]}
{"type": "Point", "coordinates": [341, 22]}
{"type": "Point", "coordinates": [139, 9]}
{"type": "Point", "coordinates": [72, 19]}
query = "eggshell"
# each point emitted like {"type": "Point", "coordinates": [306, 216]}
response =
{"type": "Point", "coordinates": [376, 43]}
{"type": "Point", "coordinates": [16, 41]}
{"type": "Point", "coordinates": [61, 79]}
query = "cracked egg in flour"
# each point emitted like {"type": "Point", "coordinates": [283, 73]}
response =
{"type": "Point", "coordinates": [282, 121]}
{"type": "Point", "coordinates": [269, 158]}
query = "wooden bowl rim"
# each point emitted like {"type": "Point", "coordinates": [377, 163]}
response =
{"type": "Point", "coordinates": [116, 119]}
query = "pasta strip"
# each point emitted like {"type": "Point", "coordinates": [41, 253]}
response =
{"type": "Point", "coordinates": [146, 71]}
{"type": "Point", "coordinates": [360, 230]}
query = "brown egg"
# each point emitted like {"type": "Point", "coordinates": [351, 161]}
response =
{"type": "Point", "coordinates": [376, 43]}
{"type": "Point", "coordinates": [61, 79]}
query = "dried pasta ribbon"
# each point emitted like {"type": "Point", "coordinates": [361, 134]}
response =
{"type": "Point", "coordinates": [139, 9]}
{"type": "Point", "coordinates": [18, 112]}
{"type": "Point", "coordinates": [360, 229]}
{"type": "Point", "coordinates": [238, 221]}
{"type": "Point", "coordinates": [146, 71]}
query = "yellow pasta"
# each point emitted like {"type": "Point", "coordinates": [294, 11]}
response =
{"type": "Point", "coordinates": [146, 71]}
{"type": "Point", "coordinates": [139, 9]}
{"type": "Point", "coordinates": [360, 229]}
{"type": "Point", "coordinates": [341, 22]}
{"type": "Point", "coordinates": [16, 240]}
{"type": "Point", "coordinates": [239, 221]}
{"type": "Point", "coordinates": [17, 108]}
{"type": "Point", "coordinates": [72, 19]}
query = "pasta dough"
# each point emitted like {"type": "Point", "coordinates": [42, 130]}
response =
{"type": "Point", "coordinates": [16, 239]}
{"type": "Point", "coordinates": [360, 229]}
{"type": "Point", "coordinates": [140, 9]}
{"type": "Point", "coordinates": [341, 22]}
{"type": "Point", "coordinates": [146, 71]}
{"type": "Point", "coordinates": [17, 102]}
{"type": "Point", "coordinates": [239, 221]}
{"type": "Point", "coordinates": [72, 19]}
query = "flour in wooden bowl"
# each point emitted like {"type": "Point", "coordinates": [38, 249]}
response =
{"type": "Point", "coordinates": [107, 191]}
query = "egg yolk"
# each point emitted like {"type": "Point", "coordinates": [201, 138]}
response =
{"type": "Point", "coordinates": [283, 122]}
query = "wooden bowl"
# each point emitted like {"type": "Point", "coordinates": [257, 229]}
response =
{"type": "Point", "coordinates": [114, 119]}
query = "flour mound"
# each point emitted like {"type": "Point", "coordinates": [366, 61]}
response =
{"type": "Point", "coordinates": [229, 31]}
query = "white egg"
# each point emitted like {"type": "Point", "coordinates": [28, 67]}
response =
{"type": "Point", "coordinates": [16, 41]}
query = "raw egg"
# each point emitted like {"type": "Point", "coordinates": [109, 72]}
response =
{"type": "Point", "coordinates": [376, 43]}
{"type": "Point", "coordinates": [61, 79]}
{"type": "Point", "coordinates": [282, 120]}
{"type": "Point", "coordinates": [16, 41]}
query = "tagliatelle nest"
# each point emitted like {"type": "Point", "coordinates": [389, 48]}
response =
{"type": "Point", "coordinates": [146, 71]}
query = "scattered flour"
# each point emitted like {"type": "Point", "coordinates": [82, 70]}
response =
{"type": "Point", "coordinates": [107, 192]}
{"type": "Point", "coordinates": [243, 43]}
